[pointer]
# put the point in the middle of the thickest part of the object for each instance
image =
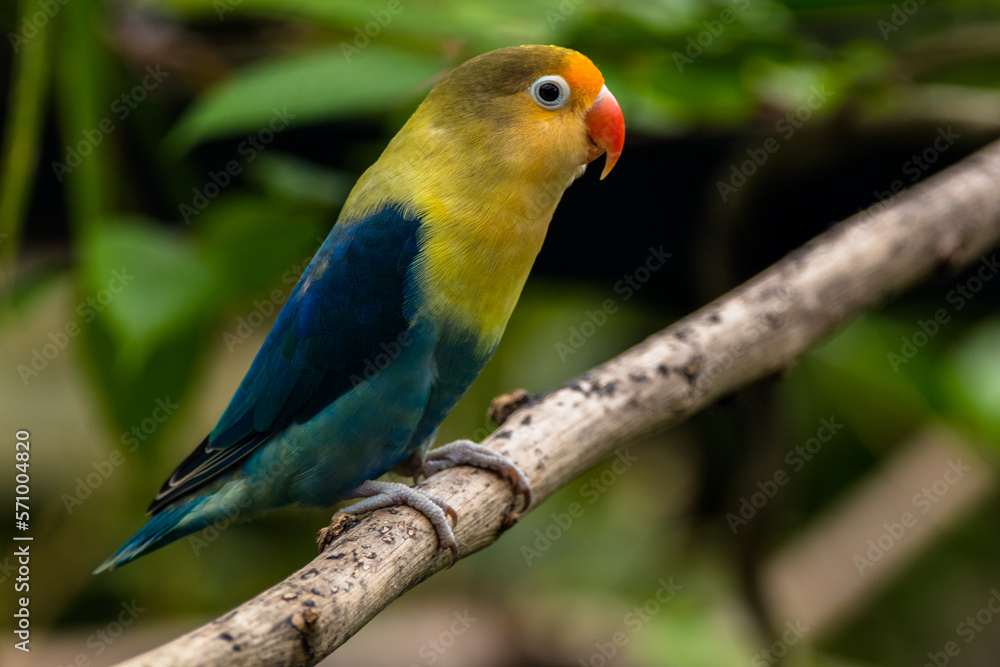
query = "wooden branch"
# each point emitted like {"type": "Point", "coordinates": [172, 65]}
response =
{"type": "Point", "coordinates": [945, 223]}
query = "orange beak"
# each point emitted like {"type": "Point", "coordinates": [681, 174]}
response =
{"type": "Point", "coordinates": [606, 127]}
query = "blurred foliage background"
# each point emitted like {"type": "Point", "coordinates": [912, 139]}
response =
{"type": "Point", "coordinates": [169, 166]}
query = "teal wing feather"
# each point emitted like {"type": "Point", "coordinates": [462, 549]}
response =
{"type": "Point", "coordinates": [351, 298]}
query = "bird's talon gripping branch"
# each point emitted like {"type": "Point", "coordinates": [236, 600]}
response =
{"type": "Point", "coordinates": [379, 495]}
{"type": "Point", "coordinates": [467, 452]}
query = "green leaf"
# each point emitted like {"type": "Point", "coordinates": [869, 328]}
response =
{"type": "Point", "coordinates": [256, 244]}
{"type": "Point", "coordinates": [876, 397]}
{"type": "Point", "coordinates": [129, 390]}
{"type": "Point", "coordinates": [972, 374]}
{"type": "Point", "coordinates": [479, 26]}
{"type": "Point", "coordinates": [286, 177]}
{"type": "Point", "coordinates": [321, 85]}
{"type": "Point", "coordinates": [84, 88]}
{"type": "Point", "coordinates": [23, 130]}
{"type": "Point", "coordinates": [145, 283]}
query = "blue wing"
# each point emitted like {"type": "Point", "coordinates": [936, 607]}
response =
{"type": "Point", "coordinates": [349, 300]}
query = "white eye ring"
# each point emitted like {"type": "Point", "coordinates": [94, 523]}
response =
{"type": "Point", "coordinates": [542, 88]}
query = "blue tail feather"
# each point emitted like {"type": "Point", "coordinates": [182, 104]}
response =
{"type": "Point", "coordinates": [159, 531]}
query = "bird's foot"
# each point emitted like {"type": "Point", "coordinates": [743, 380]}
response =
{"type": "Point", "coordinates": [466, 452]}
{"type": "Point", "coordinates": [411, 466]}
{"type": "Point", "coordinates": [379, 495]}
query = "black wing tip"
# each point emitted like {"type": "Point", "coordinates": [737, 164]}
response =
{"type": "Point", "coordinates": [203, 465]}
{"type": "Point", "coordinates": [165, 495]}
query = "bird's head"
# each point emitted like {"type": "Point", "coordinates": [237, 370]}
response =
{"type": "Point", "coordinates": [543, 108]}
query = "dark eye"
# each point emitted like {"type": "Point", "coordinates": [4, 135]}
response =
{"type": "Point", "coordinates": [550, 91]}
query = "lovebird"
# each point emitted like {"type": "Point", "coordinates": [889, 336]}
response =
{"type": "Point", "coordinates": [402, 305]}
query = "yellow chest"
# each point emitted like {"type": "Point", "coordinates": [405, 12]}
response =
{"type": "Point", "coordinates": [471, 269]}
{"type": "Point", "coordinates": [485, 205]}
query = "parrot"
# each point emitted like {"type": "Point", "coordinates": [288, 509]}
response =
{"type": "Point", "coordinates": [402, 305]}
